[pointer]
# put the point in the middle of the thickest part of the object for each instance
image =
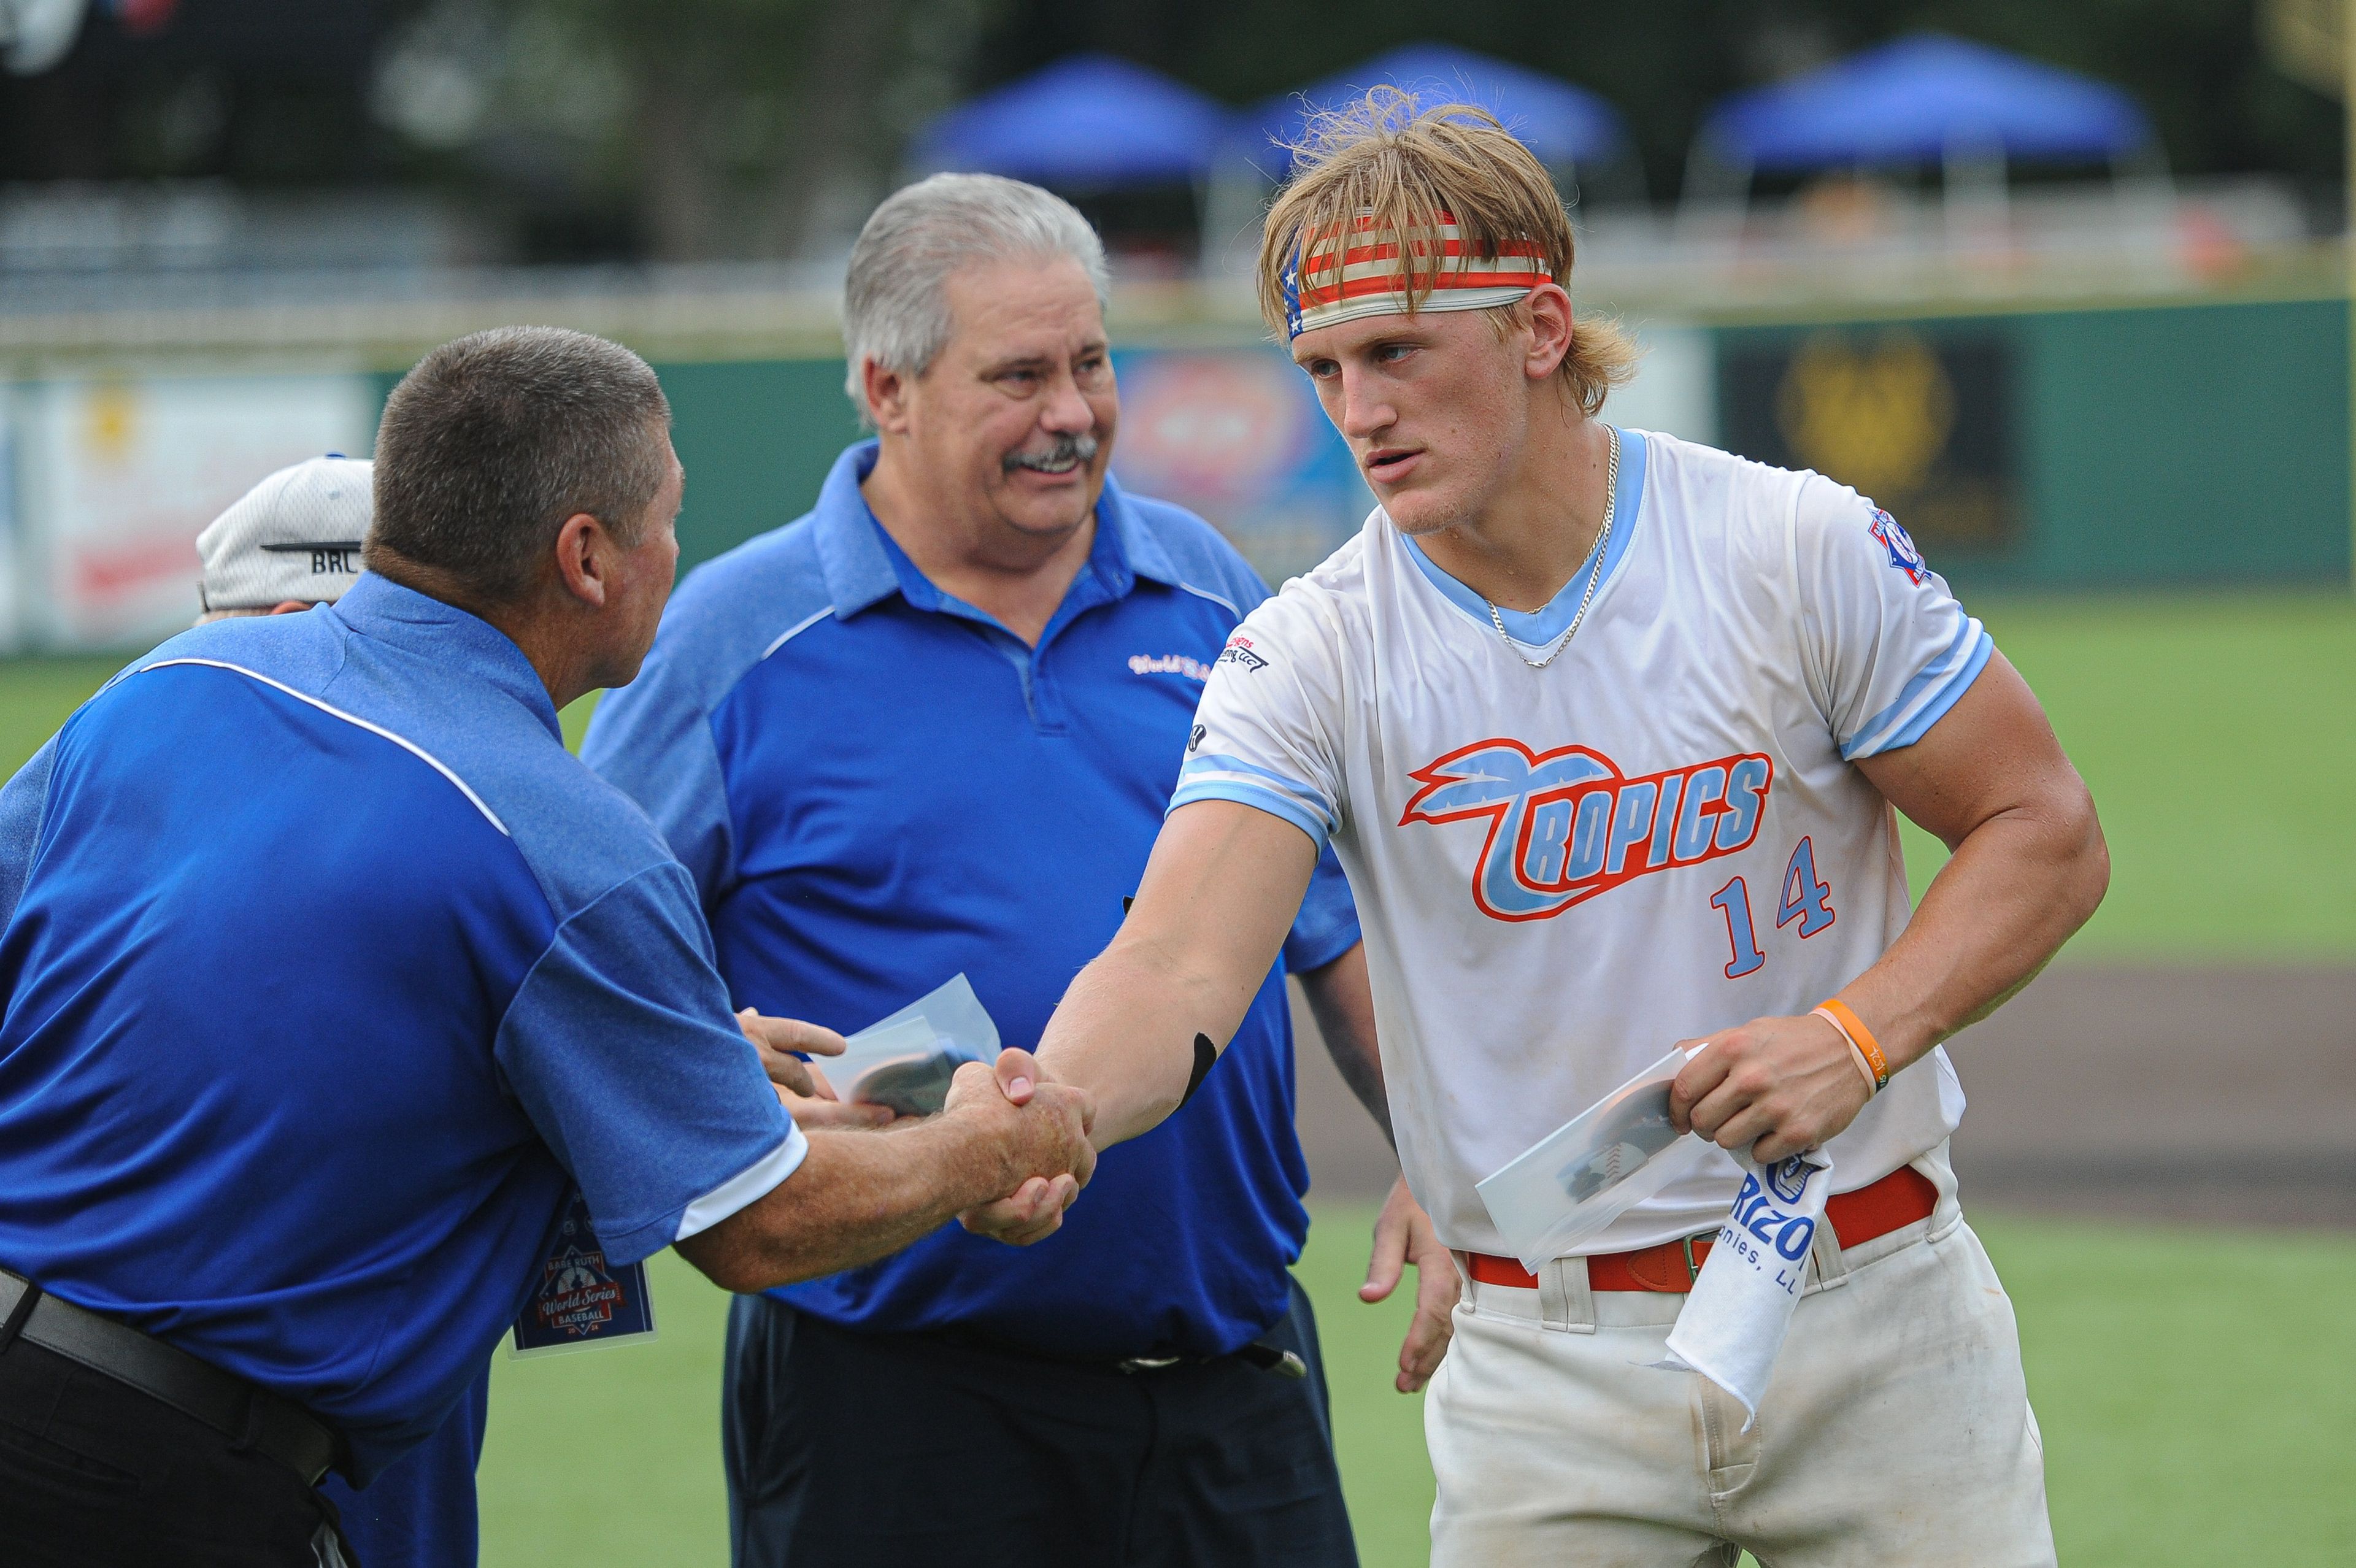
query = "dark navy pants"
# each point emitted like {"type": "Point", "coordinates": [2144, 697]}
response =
{"type": "Point", "coordinates": [891, 1449]}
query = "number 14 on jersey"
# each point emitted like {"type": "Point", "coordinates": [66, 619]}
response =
{"type": "Point", "coordinates": [1805, 899]}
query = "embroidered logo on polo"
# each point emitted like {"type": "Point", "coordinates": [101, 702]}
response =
{"type": "Point", "coordinates": [1169, 663]}
{"type": "Point", "coordinates": [1566, 825]}
{"type": "Point", "coordinates": [1898, 545]}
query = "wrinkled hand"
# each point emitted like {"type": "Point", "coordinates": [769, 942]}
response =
{"type": "Point", "coordinates": [1046, 1127]}
{"type": "Point", "coordinates": [1775, 1086]}
{"type": "Point", "coordinates": [1403, 1235]}
{"type": "Point", "coordinates": [801, 1088]}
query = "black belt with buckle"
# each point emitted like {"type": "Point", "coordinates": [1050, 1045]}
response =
{"type": "Point", "coordinates": [1261, 1357]}
{"type": "Point", "coordinates": [250, 1418]}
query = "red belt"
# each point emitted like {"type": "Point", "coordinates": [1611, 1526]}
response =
{"type": "Point", "coordinates": [1900, 1197]}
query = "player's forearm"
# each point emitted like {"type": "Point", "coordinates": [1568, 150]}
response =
{"type": "Point", "coordinates": [857, 1197]}
{"type": "Point", "coordinates": [1210, 916]}
{"type": "Point", "coordinates": [1343, 1005]}
{"type": "Point", "coordinates": [2015, 890]}
{"type": "Point", "coordinates": [1126, 1029]}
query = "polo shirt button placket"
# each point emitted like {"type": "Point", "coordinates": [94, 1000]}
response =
{"type": "Point", "coordinates": [1047, 697]}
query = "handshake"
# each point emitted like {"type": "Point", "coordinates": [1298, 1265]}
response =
{"type": "Point", "coordinates": [1040, 1130]}
{"type": "Point", "coordinates": [1008, 1153]}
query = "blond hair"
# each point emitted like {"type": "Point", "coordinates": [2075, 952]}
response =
{"type": "Point", "coordinates": [1386, 158]}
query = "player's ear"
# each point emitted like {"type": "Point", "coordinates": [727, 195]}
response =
{"type": "Point", "coordinates": [1550, 331]}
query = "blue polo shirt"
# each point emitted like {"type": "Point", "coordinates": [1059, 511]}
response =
{"type": "Point", "coordinates": [877, 785]}
{"type": "Point", "coordinates": [329, 974]}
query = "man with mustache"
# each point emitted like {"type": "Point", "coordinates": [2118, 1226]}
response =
{"type": "Point", "coordinates": [929, 729]}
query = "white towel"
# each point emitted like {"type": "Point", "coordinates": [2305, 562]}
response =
{"type": "Point", "coordinates": [1733, 1323]}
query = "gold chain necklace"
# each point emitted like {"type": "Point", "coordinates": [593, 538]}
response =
{"type": "Point", "coordinates": [1594, 575]}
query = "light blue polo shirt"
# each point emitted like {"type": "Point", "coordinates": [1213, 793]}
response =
{"type": "Point", "coordinates": [329, 974]}
{"type": "Point", "coordinates": [877, 786]}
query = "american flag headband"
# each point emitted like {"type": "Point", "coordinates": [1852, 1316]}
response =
{"type": "Point", "coordinates": [1336, 278]}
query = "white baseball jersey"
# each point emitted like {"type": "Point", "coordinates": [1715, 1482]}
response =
{"type": "Point", "coordinates": [1562, 871]}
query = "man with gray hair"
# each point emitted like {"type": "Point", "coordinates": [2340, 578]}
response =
{"type": "Point", "coordinates": [926, 731]}
{"type": "Point", "coordinates": [283, 1157]}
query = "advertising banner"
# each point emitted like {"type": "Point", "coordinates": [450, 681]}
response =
{"type": "Point", "coordinates": [1921, 421]}
{"type": "Point", "coordinates": [120, 475]}
{"type": "Point", "coordinates": [1238, 436]}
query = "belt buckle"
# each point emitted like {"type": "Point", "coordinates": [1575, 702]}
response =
{"type": "Point", "coordinates": [1693, 1269]}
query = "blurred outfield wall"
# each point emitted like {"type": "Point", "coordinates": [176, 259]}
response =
{"type": "Point", "coordinates": [2180, 444]}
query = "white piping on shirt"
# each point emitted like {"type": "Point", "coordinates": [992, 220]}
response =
{"type": "Point", "coordinates": [790, 633]}
{"type": "Point", "coordinates": [412, 747]}
{"type": "Point", "coordinates": [1226, 605]}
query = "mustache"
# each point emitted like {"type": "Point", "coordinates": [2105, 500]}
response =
{"type": "Point", "coordinates": [1063, 449]}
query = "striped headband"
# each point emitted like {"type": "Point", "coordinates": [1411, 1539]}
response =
{"type": "Point", "coordinates": [1334, 280]}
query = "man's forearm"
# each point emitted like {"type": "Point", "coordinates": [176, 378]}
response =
{"type": "Point", "coordinates": [858, 1196]}
{"type": "Point", "coordinates": [2013, 892]}
{"type": "Point", "coordinates": [1343, 1005]}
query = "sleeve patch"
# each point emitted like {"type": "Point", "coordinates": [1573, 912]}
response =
{"type": "Point", "coordinates": [1898, 545]}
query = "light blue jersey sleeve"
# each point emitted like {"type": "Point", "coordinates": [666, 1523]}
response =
{"type": "Point", "coordinates": [22, 801]}
{"type": "Point", "coordinates": [1327, 925]}
{"type": "Point", "coordinates": [614, 1050]}
{"type": "Point", "coordinates": [1888, 649]}
{"type": "Point", "coordinates": [1263, 729]}
{"type": "Point", "coordinates": [652, 740]}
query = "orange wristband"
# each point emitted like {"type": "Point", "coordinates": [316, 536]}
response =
{"type": "Point", "coordinates": [1869, 1060]}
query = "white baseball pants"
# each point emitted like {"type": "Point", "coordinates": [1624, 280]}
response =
{"type": "Point", "coordinates": [1897, 1430]}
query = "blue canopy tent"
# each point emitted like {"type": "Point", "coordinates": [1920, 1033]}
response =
{"type": "Point", "coordinates": [1571, 130]}
{"type": "Point", "coordinates": [1088, 123]}
{"type": "Point", "coordinates": [1923, 99]}
{"type": "Point", "coordinates": [1564, 125]}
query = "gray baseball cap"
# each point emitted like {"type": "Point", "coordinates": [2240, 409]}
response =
{"type": "Point", "coordinates": [296, 535]}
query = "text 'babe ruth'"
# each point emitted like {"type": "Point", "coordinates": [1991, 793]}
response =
{"type": "Point", "coordinates": [1607, 728]}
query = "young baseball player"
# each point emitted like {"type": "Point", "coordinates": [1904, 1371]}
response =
{"type": "Point", "coordinates": [1607, 728]}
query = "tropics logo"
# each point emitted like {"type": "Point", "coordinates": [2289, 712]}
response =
{"type": "Point", "coordinates": [1566, 825]}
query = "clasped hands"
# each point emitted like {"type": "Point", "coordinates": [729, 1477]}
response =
{"type": "Point", "coordinates": [1037, 1130]}
{"type": "Point", "coordinates": [1775, 1086]}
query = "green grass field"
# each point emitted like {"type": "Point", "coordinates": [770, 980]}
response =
{"type": "Point", "coordinates": [2197, 1389]}
{"type": "Point", "coordinates": [2219, 737]}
